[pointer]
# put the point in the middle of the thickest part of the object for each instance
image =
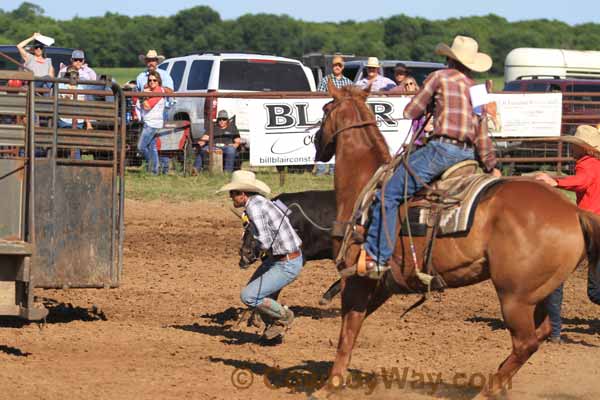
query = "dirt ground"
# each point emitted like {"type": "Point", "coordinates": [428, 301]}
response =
{"type": "Point", "coordinates": [169, 331]}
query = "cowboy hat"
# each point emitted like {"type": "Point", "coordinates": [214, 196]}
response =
{"type": "Point", "coordinates": [373, 62]}
{"type": "Point", "coordinates": [586, 137]}
{"type": "Point", "coordinates": [152, 54]}
{"type": "Point", "coordinates": [246, 181]}
{"type": "Point", "coordinates": [465, 50]}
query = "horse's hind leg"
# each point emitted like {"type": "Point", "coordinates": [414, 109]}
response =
{"type": "Point", "coordinates": [528, 325]}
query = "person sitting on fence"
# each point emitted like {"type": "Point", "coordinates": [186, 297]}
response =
{"type": "Point", "coordinates": [278, 239]}
{"type": "Point", "coordinates": [151, 111]}
{"type": "Point", "coordinates": [586, 184]}
{"type": "Point", "coordinates": [36, 61]}
{"type": "Point", "coordinates": [78, 63]}
{"type": "Point", "coordinates": [226, 137]}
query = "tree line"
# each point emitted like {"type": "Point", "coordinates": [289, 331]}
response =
{"type": "Point", "coordinates": [115, 40]}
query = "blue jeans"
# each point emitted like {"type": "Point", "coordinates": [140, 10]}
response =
{"type": "Point", "coordinates": [593, 286]}
{"type": "Point", "coordinates": [62, 125]}
{"type": "Point", "coordinates": [269, 279]}
{"type": "Point", "coordinates": [147, 146]}
{"type": "Point", "coordinates": [428, 163]}
{"type": "Point", "coordinates": [164, 164]}
{"type": "Point", "coordinates": [320, 169]}
{"type": "Point", "coordinates": [553, 306]}
{"type": "Point", "coordinates": [554, 300]}
{"type": "Point", "coordinates": [229, 153]}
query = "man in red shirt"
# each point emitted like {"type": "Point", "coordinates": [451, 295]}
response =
{"type": "Point", "coordinates": [586, 185]}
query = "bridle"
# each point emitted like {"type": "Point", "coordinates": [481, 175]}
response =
{"type": "Point", "coordinates": [358, 124]}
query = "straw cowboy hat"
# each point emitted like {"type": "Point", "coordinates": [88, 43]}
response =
{"type": "Point", "coordinates": [465, 50]}
{"type": "Point", "coordinates": [246, 181]}
{"type": "Point", "coordinates": [373, 62]}
{"type": "Point", "coordinates": [587, 137]}
{"type": "Point", "coordinates": [152, 54]}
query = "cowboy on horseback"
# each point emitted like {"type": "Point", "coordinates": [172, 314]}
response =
{"type": "Point", "coordinates": [277, 238]}
{"type": "Point", "coordinates": [457, 136]}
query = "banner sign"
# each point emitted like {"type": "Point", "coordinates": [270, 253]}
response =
{"type": "Point", "coordinates": [282, 130]}
{"type": "Point", "coordinates": [524, 115]}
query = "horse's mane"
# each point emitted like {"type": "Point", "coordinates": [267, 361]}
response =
{"type": "Point", "coordinates": [374, 134]}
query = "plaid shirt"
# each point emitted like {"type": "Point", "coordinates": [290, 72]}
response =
{"type": "Point", "coordinates": [453, 112]}
{"type": "Point", "coordinates": [339, 83]}
{"type": "Point", "coordinates": [275, 231]}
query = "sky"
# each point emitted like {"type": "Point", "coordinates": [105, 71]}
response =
{"type": "Point", "coordinates": [332, 10]}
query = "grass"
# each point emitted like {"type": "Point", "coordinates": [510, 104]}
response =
{"type": "Point", "coordinates": [173, 188]}
{"type": "Point", "coordinates": [121, 75]}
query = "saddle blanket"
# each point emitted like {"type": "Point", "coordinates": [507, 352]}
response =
{"type": "Point", "coordinates": [456, 205]}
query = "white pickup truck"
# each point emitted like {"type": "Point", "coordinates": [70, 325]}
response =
{"type": "Point", "coordinates": [229, 72]}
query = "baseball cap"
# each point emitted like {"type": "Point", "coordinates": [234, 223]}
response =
{"type": "Point", "coordinates": [78, 54]}
{"type": "Point", "coordinates": [223, 114]}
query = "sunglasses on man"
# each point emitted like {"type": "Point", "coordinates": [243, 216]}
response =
{"type": "Point", "coordinates": [338, 65]}
{"type": "Point", "coordinates": [77, 59]}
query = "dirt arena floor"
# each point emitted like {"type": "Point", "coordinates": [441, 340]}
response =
{"type": "Point", "coordinates": [169, 331]}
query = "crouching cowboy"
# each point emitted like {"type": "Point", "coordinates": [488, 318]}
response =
{"type": "Point", "coordinates": [278, 239]}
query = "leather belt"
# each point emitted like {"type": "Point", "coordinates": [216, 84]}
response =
{"type": "Point", "coordinates": [458, 143]}
{"type": "Point", "coordinates": [289, 256]}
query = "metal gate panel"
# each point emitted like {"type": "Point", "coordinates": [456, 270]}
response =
{"type": "Point", "coordinates": [11, 187]}
{"type": "Point", "coordinates": [74, 230]}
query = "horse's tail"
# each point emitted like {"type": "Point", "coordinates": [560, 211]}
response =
{"type": "Point", "coordinates": [590, 225]}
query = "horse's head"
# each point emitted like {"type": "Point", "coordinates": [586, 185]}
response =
{"type": "Point", "coordinates": [250, 250]}
{"type": "Point", "coordinates": [338, 115]}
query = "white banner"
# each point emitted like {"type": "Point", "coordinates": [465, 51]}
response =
{"type": "Point", "coordinates": [282, 130]}
{"type": "Point", "coordinates": [525, 115]}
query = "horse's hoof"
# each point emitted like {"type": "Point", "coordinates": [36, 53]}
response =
{"type": "Point", "coordinates": [324, 301]}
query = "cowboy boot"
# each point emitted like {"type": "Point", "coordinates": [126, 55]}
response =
{"type": "Point", "coordinates": [280, 326]}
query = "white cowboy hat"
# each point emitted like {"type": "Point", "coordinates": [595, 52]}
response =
{"type": "Point", "coordinates": [465, 50]}
{"type": "Point", "coordinates": [152, 54]}
{"type": "Point", "coordinates": [246, 181]}
{"type": "Point", "coordinates": [586, 137]}
{"type": "Point", "coordinates": [373, 62]}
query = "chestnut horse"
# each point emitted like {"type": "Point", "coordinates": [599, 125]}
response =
{"type": "Point", "coordinates": [526, 237]}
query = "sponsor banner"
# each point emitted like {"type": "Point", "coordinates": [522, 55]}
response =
{"type": "Point", "coordinates": [283, 130]}
{"type": "Point", "coordinates": [525, 115]}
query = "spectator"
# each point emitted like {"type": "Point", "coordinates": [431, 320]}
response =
{"type": "Point", "coordinates": [337, 76]}
{"type": "Point", "coordinates": [586, 184]}
{"type": "Point", "coordinates": [423, 125]}
{"type": "Point", "coordinates": [339, 80]}
{"type": "Point", "coordinates": [78, 63]}
{"type": "Point", "coordinates": [72, 73]}
{"type": "Point", "coordinates": [152, 110]}
{"type": "Point", "coordinates": [38, 63]}
{"type": "Point", "coordinates": [374, 79]}
{"type": "Point", "coordinates": [225, 137]}
{"type": "Point", "coordinates": [400, 73]}
{"type": "Point", "coordinates": [152, 59]}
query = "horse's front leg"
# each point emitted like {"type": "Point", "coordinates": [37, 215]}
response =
{"type": "Point", "coordinates": [356, 295]}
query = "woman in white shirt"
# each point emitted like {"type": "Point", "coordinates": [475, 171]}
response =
{"type": "Point", "coordinates": [152, 112]}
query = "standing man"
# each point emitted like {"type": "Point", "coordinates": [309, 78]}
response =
{"type": "Point", "coordinates": [373, 78]}
{"type": "Point", "coordinates": [586, 184]}
{"type": "Point", "coordinates": [456, 134]}
{"type": "Point", "coordinates": [78, 63]}
{"type": "Point", "coordinates": [339, 80]}
{"type": "Point", "coordinates": [278, 239]}
{"type": "Point", "coordinates": [152, 59]}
